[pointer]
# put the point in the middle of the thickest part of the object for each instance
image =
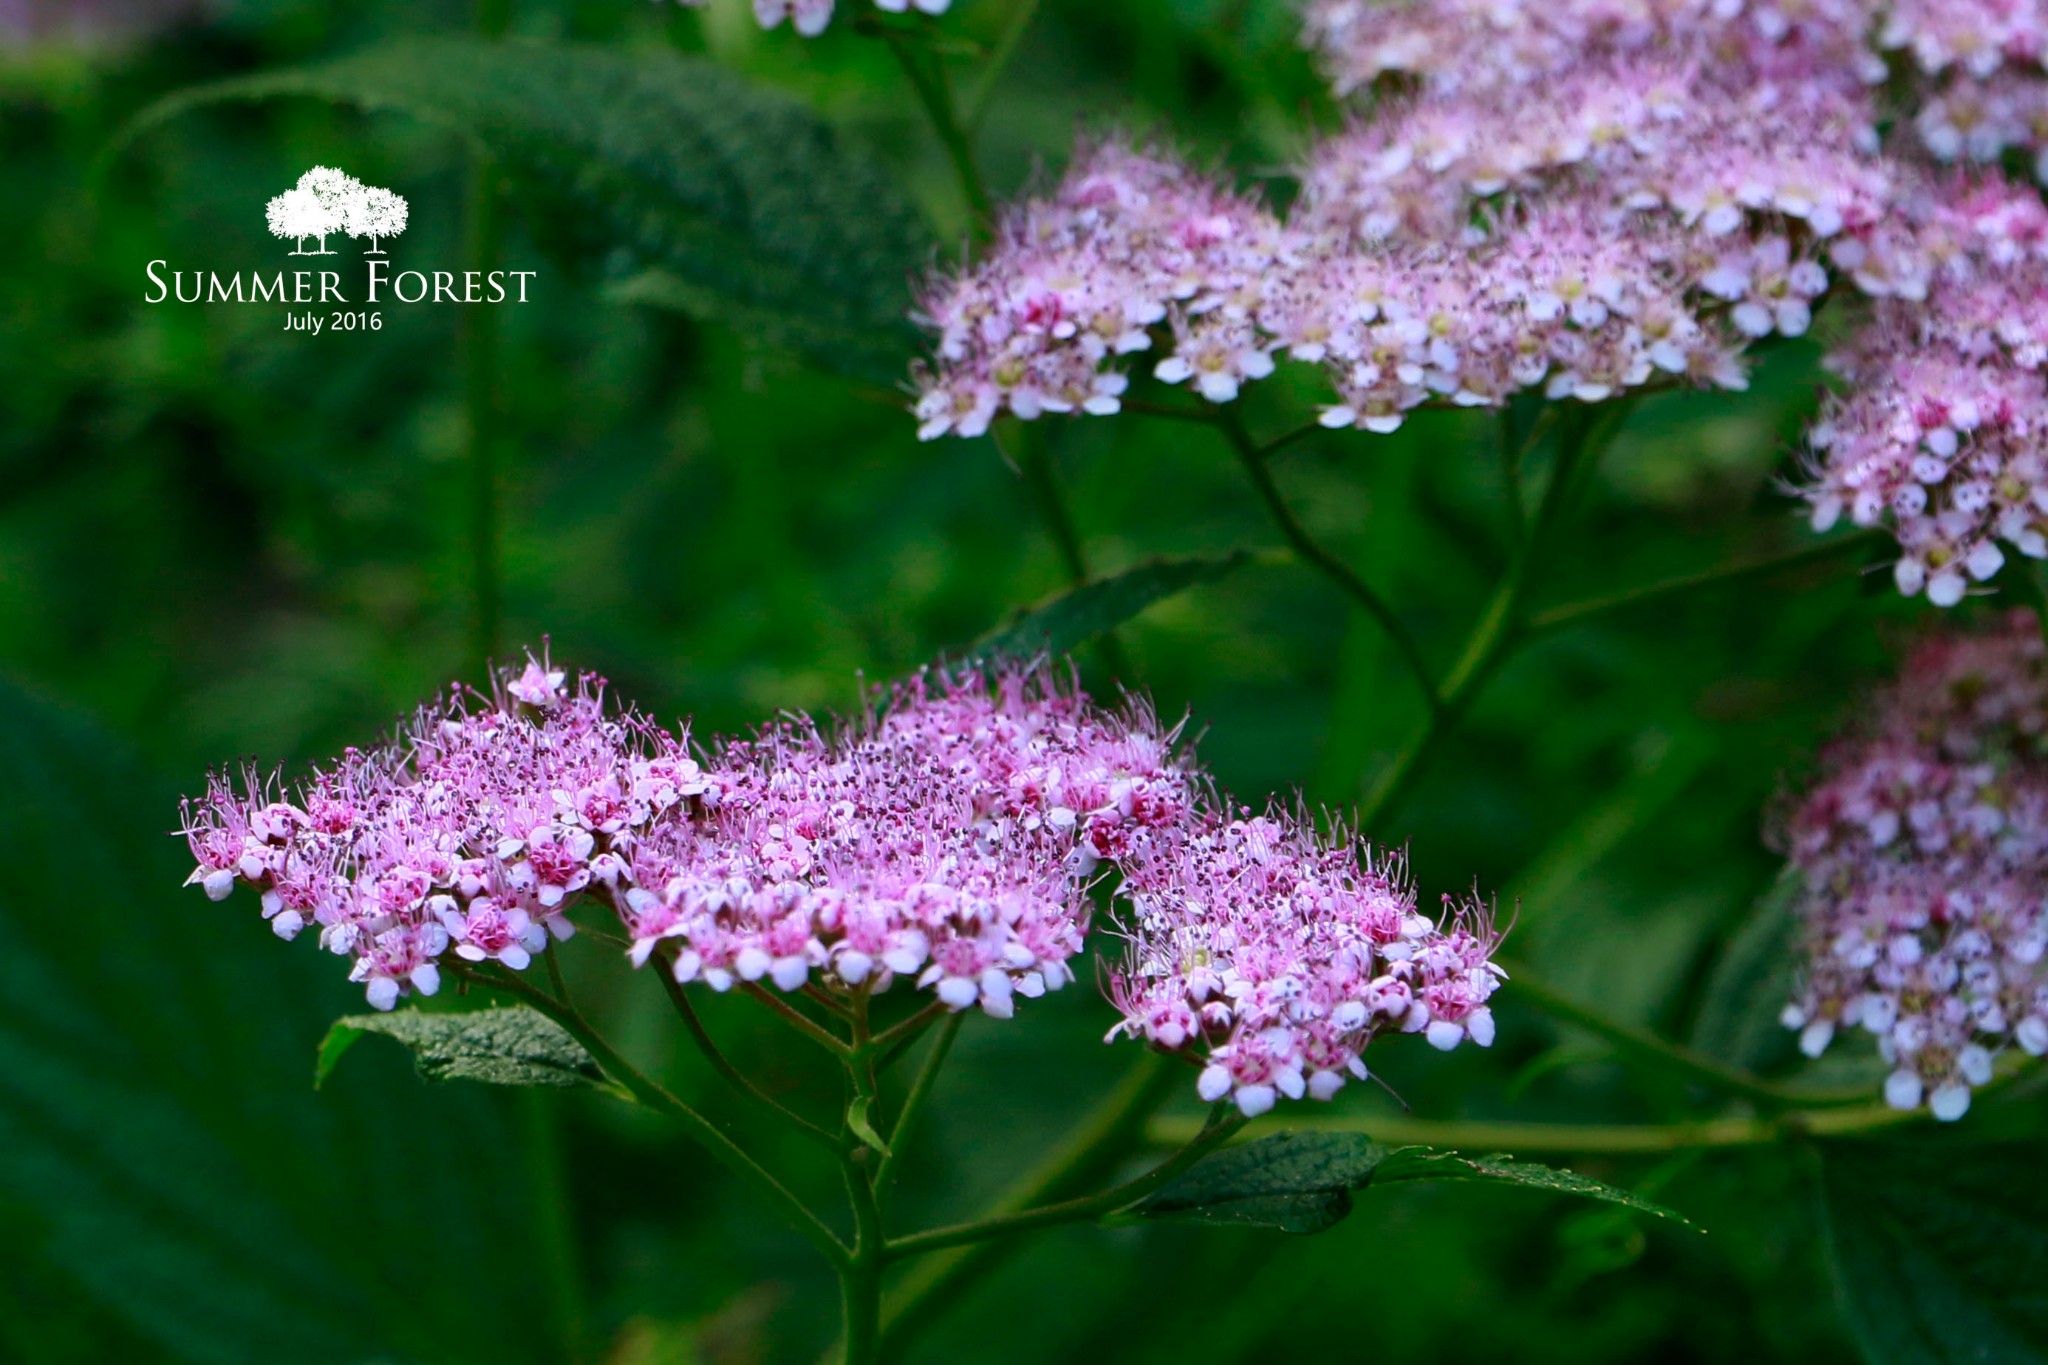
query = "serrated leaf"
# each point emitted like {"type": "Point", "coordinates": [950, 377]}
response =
{"type": "Point", "coordinates": [160, 1151]}
{"type": "Point", "coordinates": [1079, 615]}
{"type": "Point", "coordinates": [878, 354]}
{"type": "Point", "coordinates": [755, 210]}
{"type": "Point", "coordinates": [1425, 1163]}
{"type": "Point", "coordinates": [513, 1045]}
{"type": "Point", "coordinates": [1304, 1182]}
{"type": "Point", "coordinates": [1940, 1250]}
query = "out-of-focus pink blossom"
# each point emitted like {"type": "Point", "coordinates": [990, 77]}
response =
{"type": "Point", "coordinates": [1942, 425]}
{"type": "Point", "coordinates": [1923, 857]}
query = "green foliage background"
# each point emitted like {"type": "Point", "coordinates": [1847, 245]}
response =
{"type": "Point", "coordinates": [217, 539]}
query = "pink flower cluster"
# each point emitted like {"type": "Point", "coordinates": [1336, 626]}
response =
{"type": "Point", "coordinates": [1943, 426]}
{"type": "Point", "coordinates": [1923, 854]}
{"type": "Point", "coordinates": [812, 17]}
{"type": "Point", "coordinates": [1279, 952]}
{"type": "Point", "coordinates": [1984, 67]}
{"type": "Point", "coordinates": [1130, 241]}
{"type": "Point", "coordinates": [1574, 198]}
{"type": "Point", "coordinates": [953, 838]}
{"type": "Point", "coordinates": [951, 841]}
{"type": "Point", "coordinates": [1585, 198]}
{"type": "Point", "coordinates": [470, 833]}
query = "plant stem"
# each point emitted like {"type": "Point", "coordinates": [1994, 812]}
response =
{"type": "Point", "coordinates": [1086, 1209]}
{"type": "Point", "coordinates": [1021, 14]}
{"type": "Point", "coordinates": [734, 1077]}
{"type": "Point", "coordinates": [555, 1225]}
{"type": "Point", "coordinates": [1090, 1151]}
{"type": "Point", "coordinates": [825, 1001]}
{"type": "Point", "coordinates": [1499, 627]}
{"type": "Point", "coordinates": [1252, 457]}
{"type": "Point", "coordinates": [485, 233]}
{"type": "Point", "coordinates": [1595, 1139]}
{"type": "Point", "coordinates": [914, 1102]}
{"type": "Point", "coordinates": [1511, 452]}
{"type": "Point", "coordinates": [1577, 613]}
{"type": "Point", "coordinates": [1645, 1046]}
{"type": "Point", "coordinates": [892, 1040]}
{"type": "Point", "coordinates": [650, 1093]}
{"type": "Point", "coordinates": [1035, 462]}
{"type": "Point", "coordinates": [935, 93]}
{"type": "Point", "coordinates": [797, 1019]}
{"type": "Point", "coordinates": [860, 1276]}
{"type": "Point", "coordinates": [555, 982]}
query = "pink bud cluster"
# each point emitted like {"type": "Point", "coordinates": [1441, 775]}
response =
{"type": "Point", "coordinates": [1278, 952]}
{"type": "Point", "coordinates": [1923, 857]}
{"type": "Point", "coordinates": [954, 838]}
{"type": "Point", "coordinates": [812, 17]}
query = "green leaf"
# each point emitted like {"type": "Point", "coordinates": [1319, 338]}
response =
{"type": "Point", "coordinates": [753, 210]}
{"type": "Point", "coordinates": [878, 354]}
{"type": "Point", "coordinates": [1304, 1182]}
{"type": "Point", "coordinates": [1078, 616]}
{"type": "Point", "coordinates": [160, 1151]}
{"type": "Point", "coordinates": [1751, 980]}
{"type": "Point", "coordinates": [1426, 1163]}
{"type": "Point", "coordinates": [863, 1127]}
{"type": "Point", "coordinates": [1940, 1249]}
{"type": "Point", "coordinates": [510, 1046]}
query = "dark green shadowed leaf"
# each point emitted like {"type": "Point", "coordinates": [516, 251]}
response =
{"type": "Point", "coordinates": [877, 353]}
{"type": "Point", "coordinates": [1078, 616]}
{"type": "Point", "coordinates": [1304, 1182]}
{"type": "Point", "coordinates": [1940, 1251]}
{"type": "Point", "coordinates": [1752, 979]}
{"type": "Point", "coordinates": [510, 1046]}
{"type": "Point", "coordinates": [751, 210]}
{"type": "Point", "coordinates": [160, 1149]}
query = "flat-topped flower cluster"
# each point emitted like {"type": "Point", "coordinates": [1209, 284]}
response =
{"type": "Point", "coordinates": [1923, 856]}
{"type": "Point", "coordinates": [1585, 198]}
{"type": "Point", "coordinates": [955, 837]}
{"type": "Point", "coordinates": [1287, 951]}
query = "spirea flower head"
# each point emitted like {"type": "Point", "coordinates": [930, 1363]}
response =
{"type": "Point", "coordinates": [949, 839]}
{"type": "Point", "coordinates": [468, 833]}
{"type": "Point", "coordinates": [1274, 953]}
{"type": "Point", "coordinates": [1565, 198]}
{"type": "Point", "coordinates": [1923, 856]}
{"type": "Point", "coordinates": [1131, 239]}
{"type": "Point", "coordinates": [1942, 427]}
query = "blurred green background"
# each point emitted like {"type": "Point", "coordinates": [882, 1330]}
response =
{"type": "Point", "coordinates": [217, 539]}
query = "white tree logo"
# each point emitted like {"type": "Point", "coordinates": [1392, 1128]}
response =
{"type": "Point", "coordinates": [327, 201]}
